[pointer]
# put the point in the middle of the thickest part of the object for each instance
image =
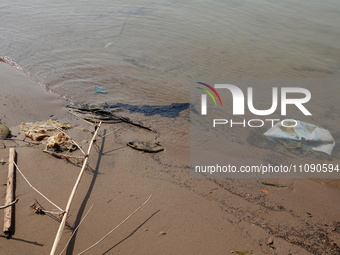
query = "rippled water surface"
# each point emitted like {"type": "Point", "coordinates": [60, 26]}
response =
{"type": "Point", "coordinates": [150, 52]}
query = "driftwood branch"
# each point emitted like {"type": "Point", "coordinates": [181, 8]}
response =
{"type": "Point", "coordinates": [128, 217]}
{"type": "Point", "coordinates": [8, 212]}
{"type": "Point", "coordinates": [69, 202]}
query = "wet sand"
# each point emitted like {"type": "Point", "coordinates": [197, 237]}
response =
{"type": "Point", "coordinates": [184, 215]}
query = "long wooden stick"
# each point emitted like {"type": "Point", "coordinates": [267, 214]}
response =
{"type": "Point", "coordinates": [128, 217]}
{"type": "Point", "coordinates": [69, 202]}
{"type": "Point", "coordinates": [9, 194]}
{"type": "Point", "coordinates": [75, 230]}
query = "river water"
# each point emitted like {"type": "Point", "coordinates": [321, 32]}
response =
{"type": "Point", "coordinates": [149, 52]}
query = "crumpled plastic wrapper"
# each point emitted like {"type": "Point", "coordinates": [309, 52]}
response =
{"type": "Point", "coordinates": [304, 136]}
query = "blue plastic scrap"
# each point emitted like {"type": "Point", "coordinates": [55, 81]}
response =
{"type": "Point", "coordinates": [99, 90]}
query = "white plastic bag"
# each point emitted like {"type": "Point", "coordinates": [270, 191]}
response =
{"type": "Point", "coordinates": [302, 135]}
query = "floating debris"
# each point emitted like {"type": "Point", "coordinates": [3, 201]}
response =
{"type": "Point", "coordinates": [301, 135]}
{"type": "Point", "coordinates": [108, 44]}
{"type": "Point", "coordinates": [95, 115]}
{"type": "Point", "coordinates": [99, 90]}
{"type": "Point", "coordinates": [169, 111]}
{"type": "Point", "coordinates": [150, 147]}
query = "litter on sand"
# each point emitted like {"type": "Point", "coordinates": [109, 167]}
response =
{"type": "Point", "coordinates": [301, 135]}
{"type": "Point", "coordinates": [242, 252]}
{"type": "Point", "coordinates": [151, 147]}
{"type": "Point", "coordinates": [265, 191]}
{"type": "Point", "coordinates": [50, 133]}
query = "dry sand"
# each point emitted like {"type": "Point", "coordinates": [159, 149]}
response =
{"type": "Point", "coordinates": [184, 215]}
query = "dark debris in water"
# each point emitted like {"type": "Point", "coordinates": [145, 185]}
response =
{"type": "Point", "coordinates": [169, 111]}
{"type": "Point", "coordinates": [96, 115]}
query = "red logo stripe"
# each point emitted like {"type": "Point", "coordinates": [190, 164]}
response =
{"type": "Point", "coordinates": [213, 90]}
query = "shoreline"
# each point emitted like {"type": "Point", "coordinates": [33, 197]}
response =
{"type": "Point", "coordinates": [24, 100]}
{"type": "Point", "coordinates": [184, 215]}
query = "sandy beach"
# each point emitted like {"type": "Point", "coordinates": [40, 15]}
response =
{"type": "Point", "coordinates": [183, 216]}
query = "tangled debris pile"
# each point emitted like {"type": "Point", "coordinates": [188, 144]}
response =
{"type": "Point", "coordinates": [51, 134]}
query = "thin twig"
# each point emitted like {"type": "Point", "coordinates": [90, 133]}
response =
{"type": "Point", "coordinates": [64, 156]}
{"type": "Point", "coordinates": [21, 140]}
{"type": "Point", "coordinates": [75, 230]}
{"type": "Point", "coordinates": [72, 140]}
{"type": "Point", "coordinates": [10, 204]}
{"type": "Point", "coordinates": [69, 202]}
{"type": "Point", "coordinates": [36, 189]}
{"type": "Point", "coordinates": [40, 210]}
{"type": "Point", "coordinates": [128, 217]}
{"type": "Point", "coordinates": [80, 117]}
{"type": "Point", "coordinates": [102, 136]}
{"type": "Point", "coordinates": [121, 30]}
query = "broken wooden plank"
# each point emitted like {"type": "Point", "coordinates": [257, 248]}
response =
{"type": "Point", "coordinates": [8, 212]}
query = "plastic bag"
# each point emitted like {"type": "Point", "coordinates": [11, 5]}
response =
{"type": "Point", "coordinates": [303, 135]}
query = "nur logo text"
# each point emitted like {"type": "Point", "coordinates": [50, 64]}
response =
{"type": "Point", "coordinates": [239, 99]}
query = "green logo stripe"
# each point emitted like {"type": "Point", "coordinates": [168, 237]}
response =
{"type": "Point", "coordinates": [209, 93]}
